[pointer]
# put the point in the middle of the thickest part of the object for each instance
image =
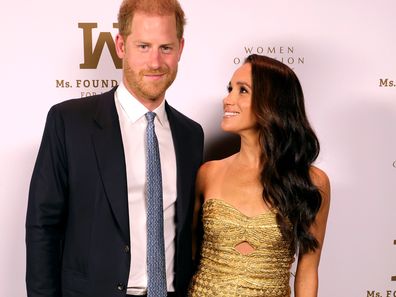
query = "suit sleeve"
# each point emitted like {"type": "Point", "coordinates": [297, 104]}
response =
{"type": "Point", "coordinates": [45, 220]}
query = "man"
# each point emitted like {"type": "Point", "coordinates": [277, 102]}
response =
{"type": "Point", "coordinates": [87, 231]}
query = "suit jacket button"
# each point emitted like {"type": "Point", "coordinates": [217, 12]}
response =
{"type": "Point", "coordinates": [126, 249]}
{"type": "Point", "coordinates": [120, 287]}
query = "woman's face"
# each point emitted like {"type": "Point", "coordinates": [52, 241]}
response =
{"type": "Point", "coordinates": [238, 114]}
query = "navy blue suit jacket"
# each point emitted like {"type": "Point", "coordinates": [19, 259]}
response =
{"type": "Point", "coordinates": [77, 225]}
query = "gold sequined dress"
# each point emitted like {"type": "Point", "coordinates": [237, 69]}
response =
{"type": "Point", "coordinates": [225, 272]}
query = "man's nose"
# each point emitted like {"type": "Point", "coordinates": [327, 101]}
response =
{"type": "Point", "coordinates": [154, 59]}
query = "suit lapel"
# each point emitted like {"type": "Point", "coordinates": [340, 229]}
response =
{"type": "Point", "coordinates": [182, 162]}
{"type": "Point", "coordinates": [111, 161]}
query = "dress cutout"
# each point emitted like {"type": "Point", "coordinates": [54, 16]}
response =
{"type": "Point", "coordinates": [224, 271]}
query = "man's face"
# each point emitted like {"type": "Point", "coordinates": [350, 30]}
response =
{"type": "Point", "coordinates": [150, 55]}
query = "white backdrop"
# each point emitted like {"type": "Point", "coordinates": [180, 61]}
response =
{"type": "Point", "coordinates": [344, 53]}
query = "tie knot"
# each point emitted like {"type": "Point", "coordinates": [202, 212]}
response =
{"type": "Point", "coordinates": [150, 116]}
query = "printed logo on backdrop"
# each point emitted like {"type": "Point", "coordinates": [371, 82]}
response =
{"type": "Point", "coordinates": [393, 278]}
{"type": "Point", "coordinates": [387, 83]}
{"type": "Point", "coordinates": [387, 292]}
{"type": "Point", "coordinates": [93, 53]}
{"type": "Point", "coordinates": [286, 54]}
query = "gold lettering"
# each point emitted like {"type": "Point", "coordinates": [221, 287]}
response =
{"type": "Point", "coordinates": [96, 83]}
{"type": "Point", "coordinates": [383, 82]}
{"type": "Point", "coordinates": [92, 55]}
{"type": "Point", "coordinates": [60, 83]}
{"type": "Point", "coordinates": [393, 278]}
{"type": "Point", "coordinates": [271, 50]}
{"type": "Point", "coordinates": [248, 50]}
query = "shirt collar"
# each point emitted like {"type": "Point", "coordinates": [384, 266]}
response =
{"type": "Point", "coordinates": [134, 109]}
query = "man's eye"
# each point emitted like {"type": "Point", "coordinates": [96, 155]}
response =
{"type": "Point", "coordinates": [166, 49]}
{"type": "Point", "coordinates": [143, 46]}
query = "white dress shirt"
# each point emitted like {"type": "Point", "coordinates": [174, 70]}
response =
{"type": "Point", "coordinates": [133, 125]}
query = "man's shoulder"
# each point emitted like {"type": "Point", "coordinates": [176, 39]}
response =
{"type": "Point", "coordinates": [181, 119]}
{"type": "Point", "coordinates": [85, 103]}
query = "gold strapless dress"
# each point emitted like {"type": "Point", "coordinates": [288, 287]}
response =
{"type": "Point", "coordinates": [225, 272]}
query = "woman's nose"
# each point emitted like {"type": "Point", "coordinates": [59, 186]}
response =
{"type": "Point", "coordinates": [228, 100]}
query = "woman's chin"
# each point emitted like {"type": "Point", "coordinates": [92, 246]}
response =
{"type": "Point", "coordinates": [226, 127]}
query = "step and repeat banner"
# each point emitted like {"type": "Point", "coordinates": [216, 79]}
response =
{"type": "Point", "coordinates": [344, 53]}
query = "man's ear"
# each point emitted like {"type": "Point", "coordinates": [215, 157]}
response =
{"type": "Point", "coordinates": [181, 46]}
{"type": "Point", "coordinates": [120, 46]}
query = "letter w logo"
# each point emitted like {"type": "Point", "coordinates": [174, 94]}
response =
{"type": "Point", "coordinates": [92, 56]}
{"type": "Point", "coordinates": [393, 278]}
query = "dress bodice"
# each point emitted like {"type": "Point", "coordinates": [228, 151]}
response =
{"type": "Point", "coordinates": [224, 271]}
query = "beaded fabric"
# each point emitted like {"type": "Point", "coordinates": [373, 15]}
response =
{"type": "Point", "coordinates": [224, 271]}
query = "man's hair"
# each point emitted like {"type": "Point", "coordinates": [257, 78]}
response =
{"type": "Point", "coordinates": [151, 7]}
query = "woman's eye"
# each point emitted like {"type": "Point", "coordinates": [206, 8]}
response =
{"type": "Point", "coordinates": [229, 89]}
{"type": "Point", "coordinates": [243, 90]}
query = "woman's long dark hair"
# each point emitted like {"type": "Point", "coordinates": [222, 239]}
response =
{"type": "Point", "coordinates": [289, 147]}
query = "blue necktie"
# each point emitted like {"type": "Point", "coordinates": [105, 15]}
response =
{"type": "Point", "coordinates": [156, 271]}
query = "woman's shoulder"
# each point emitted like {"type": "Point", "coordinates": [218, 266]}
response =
{"type": "Point", "coordinates": [321, 180]}
{"type": "Point", "coordinates": [215, 166]}
{"type": "Point", "coordinates": [318, 176]}
{"type": "Point", "coordinates": [210, 173]}
{"type": "Point", "coordinates": [212, 169]}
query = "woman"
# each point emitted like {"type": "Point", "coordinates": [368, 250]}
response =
{"type": "Point", "coordinates": [266, 203]}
